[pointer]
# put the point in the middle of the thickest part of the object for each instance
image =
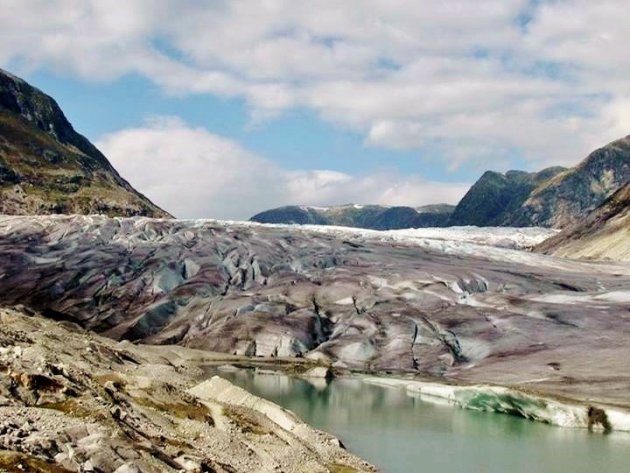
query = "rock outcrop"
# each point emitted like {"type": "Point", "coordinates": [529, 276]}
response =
{"type": "Point", "coordinates": [71, 401]}
{"type": "Point", "coordinates": [46, 167]}
{"type": "Point", "coordinates": [603, 234]}
{"type": "Point", "coordinates": [496, 198]}
{"type": "Point", "coordinates": [555, 197]}
{"type": "Point", "coordinates": [571, 195]}
{"type": "Point", "coordinates": [374, 217]}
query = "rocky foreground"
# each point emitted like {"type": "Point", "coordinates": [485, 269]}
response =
{"type": "Point", "coordinates": [72, 401]}
{"type": "Point", "coordinates": [442, 307]}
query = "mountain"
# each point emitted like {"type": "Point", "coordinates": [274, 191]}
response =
{"type": "Point", "coordinates": [495, 198]}
{"type": "Point", "coordinates": [568, 196]}
{"type": "Point", "coordinates": [46, 167]}
{"type": "Point", "coordinates": [291, 214]}
{"type": "Point", "coordinates": [374, 217]}
{"type": "Point", "coordinates": [603, 234]}
{"type": "Point", "coordinates": [555, 197]}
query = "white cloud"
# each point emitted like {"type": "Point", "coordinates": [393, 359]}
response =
{"type": "Point", "coordinates": [193, 173]}
{"type": "Point", "coordinates": [457, 78]}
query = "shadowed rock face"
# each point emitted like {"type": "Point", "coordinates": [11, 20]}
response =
{"type": "Point", "coordinates": [419, 305]}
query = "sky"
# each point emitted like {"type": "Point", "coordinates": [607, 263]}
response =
{"type": "Point", "coordinates": [224, 108]}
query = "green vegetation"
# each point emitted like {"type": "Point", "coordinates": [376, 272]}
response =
{"type": "Point", "coordinates": [47, 167]}
{"type": "Point", "coordinates": [192, 410]}
{"type": "Point", "coordinates": [13, 462]}
{"type": "Point", "coordinates": [339, 468]}
{"type": "Point", "coordinates": [71, 407]}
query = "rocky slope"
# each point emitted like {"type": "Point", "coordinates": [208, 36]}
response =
{"type": "Point", "coordinates": [571, 195]}
{"type": "Point", "coordinates": [603, 234]}
{"type": "Point", "coordinates": [496, 198]}
{"type": "Point", "coordinates": [374, 217]}
{"type": "Point", "coordinates": [554, 197]}
{"type": "Point", "coordinates": [47, 167]}
{"type": "Point", "coordinates": [360, 299]}
{"type": "Point", "coordinates": [71, 401]}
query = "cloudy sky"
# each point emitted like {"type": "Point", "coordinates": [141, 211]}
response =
{"type": "Point", "coordinates": [224, 108]}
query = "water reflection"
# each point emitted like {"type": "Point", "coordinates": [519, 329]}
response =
{"type": "Point", "coordinates": [403, 433]}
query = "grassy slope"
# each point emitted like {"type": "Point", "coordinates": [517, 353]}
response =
{"type": "Point", "coordinates": [38, 174]}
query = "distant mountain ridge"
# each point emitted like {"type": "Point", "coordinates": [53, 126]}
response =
{"type": "Point", "coordinates": [47, 167]}
{"type": "Point", "coordinates": [376, 217]}
{"type": "Point", "coordinates": [555, 197]}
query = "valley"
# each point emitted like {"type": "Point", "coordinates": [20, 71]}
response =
{"type": "Point", "coordinates": [135, 342]}
{"type": "Point", "coordinates": [377, 302]}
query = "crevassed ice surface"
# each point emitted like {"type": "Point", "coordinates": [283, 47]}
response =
{"type": "Point", "coordinates": [379, 301]}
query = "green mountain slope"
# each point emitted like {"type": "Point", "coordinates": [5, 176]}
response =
{"type": "Point", "coordinates": [569, 196]}
{"type": "Point", "coordinates": [496, 197]}
{"type": "Point", "coordinates": [47, 167]}
{"type": "Point", "coordinates": [554, 197]}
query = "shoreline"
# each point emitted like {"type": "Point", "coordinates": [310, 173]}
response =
{"type": "Point", "coordinates": [566, 412]}
{"type": "Point", "coordinates": [545, 408]}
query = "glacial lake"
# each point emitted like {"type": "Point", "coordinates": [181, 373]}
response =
{"type": "Point", "coordinates": [401, 433]}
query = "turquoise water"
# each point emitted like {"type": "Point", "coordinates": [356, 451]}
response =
{"type": "Point", "coordinates": [400, 433]}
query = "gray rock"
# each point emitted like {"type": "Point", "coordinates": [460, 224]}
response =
{"type": "Point", "coordinates": [318, 372]}
{"type": "Point", "coordinates": [127, 468]}
{"type": "Point", "coordinates": [137, 414]}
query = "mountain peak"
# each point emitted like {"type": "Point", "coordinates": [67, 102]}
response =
{"type": "Point", "coordinates": [553, 197]}
{"type": "Point", "coordinates": [47, 167]}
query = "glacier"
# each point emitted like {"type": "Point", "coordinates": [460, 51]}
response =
{"type": "Point", "coordinates": [465, 306]}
